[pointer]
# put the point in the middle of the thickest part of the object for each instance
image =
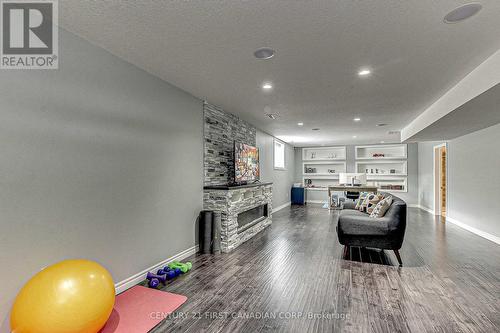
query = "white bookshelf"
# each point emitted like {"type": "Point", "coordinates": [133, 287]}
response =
{"type": "Point", "coordinates": [324, 154]}
{"type": "Point", "coordinates": [389, 184]}
{"type": "Point", "coordinates": [381, 152]}
{"type": "Point", "coordinates": [322, 166]}
{"type": "Point", "coordinates": [385, 166]}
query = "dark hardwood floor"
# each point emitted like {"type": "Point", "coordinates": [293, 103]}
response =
{"type": "Point", "coordinates": [291, 278]}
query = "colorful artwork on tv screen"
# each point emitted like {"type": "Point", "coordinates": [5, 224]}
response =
{"type": "Point", "coordinates": [246, 163]}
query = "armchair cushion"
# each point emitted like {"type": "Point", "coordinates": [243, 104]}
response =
{"type": "Point", "coordinates": [352, 211]}
{"type": "Point", "coordinates": [363, 225]}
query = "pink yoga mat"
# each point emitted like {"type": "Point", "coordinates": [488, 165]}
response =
{"type": "Point", "coordinates": [139, 309]}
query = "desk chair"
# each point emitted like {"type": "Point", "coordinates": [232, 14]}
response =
{"type": "Point", "coordinates": [352, 195]}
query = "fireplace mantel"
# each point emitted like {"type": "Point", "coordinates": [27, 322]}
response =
{"type": "Point", "coordinates": [234, 200]}
{"type": "Point", "coordinates": [234, 187]}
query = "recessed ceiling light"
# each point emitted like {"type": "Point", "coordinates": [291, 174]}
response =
{"type": "Point", "coordinates": [267, 86]}
{"type": "Point", "coordinates": [364, 72]}
{"type": "Point", "coordinates": [382, 141]}
{"type": "Point", "coordinates": [463, 12]}
{"type": "Point", "coordinates": [381, 124]}
{"type": "Point", "coordinates": [272, 115]}
{"type": "Point", "coordinates": [264, 53]}
{"type": "Point", "coordinates": [315, 129]}
{"type": "Point", "coordinates": [357, 119]}
{"type": "Point", "coordinates": [354, 136]}
{"type": "Point", "coordinates": [300, 124]}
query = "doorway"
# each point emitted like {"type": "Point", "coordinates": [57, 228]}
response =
{"type": "Point", "coordinates": [440, 179]}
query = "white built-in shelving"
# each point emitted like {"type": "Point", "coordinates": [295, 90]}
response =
{"type": "Point", "coordinates": [381, 152]}
{"type": "Point", "coordinates": [321, 166]}
{"type": "Point", "coordinates": [395, 184]}
{"type": "Point", "coordinates": [382, 168]}
{"type": "Point", "coordinates": [324, 153]}
{"type": "Point", "coordinates": [385, 166]}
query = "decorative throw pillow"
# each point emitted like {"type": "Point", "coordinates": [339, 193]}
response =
{"type": "Point", "coordinates": [382, 207]}
{"type": "Point", "coordinates": [373, 201]}
{"type": "Point", "coordinates": [362, 205]}
{"type": "Point", "coordinates": [370, 201]}
{"type": "Point", "coordinates": [359, 202]}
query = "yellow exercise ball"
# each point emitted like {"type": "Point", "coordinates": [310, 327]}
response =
{"type": "Point", "coordinates": [72, 296]}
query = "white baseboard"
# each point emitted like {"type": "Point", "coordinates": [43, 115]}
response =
{"type": "Point", "coordinates": [427, 209]}
{"type": "Point", "coordinates": [462, 225]}
{"type": "Point", "coordinates": [422, 207]}
{"type": "Point", "coordinates": [282, 206]}
{"type": "Point", "coordinates": [478, 232]}
{"type": "Point", "coordinates": [136, 278]}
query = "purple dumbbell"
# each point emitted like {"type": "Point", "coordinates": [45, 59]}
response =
{"type": "Point", "coordinates": [160, 278]}
{"type": "Point", "coordinates": [153, 283]}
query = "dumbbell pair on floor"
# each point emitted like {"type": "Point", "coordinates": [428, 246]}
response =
{"type": "Point", "coordinates": [162, 275]}
{"type": "Point", "coordinates": [168, 272]}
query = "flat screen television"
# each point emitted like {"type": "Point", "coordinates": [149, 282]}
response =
{"type": "Point", "coordinates": [246, 163]}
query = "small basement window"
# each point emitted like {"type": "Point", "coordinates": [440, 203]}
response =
{"type": "Point", "coordinates": [279, 155]}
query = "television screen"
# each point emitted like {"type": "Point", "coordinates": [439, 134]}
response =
{"type": "Point", "coordinates": [246, 163]}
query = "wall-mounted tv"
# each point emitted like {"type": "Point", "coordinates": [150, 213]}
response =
{"type": "Point", "coordinates": [246, 163]}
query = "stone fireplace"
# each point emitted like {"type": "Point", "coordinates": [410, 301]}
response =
{"type": "Point", "coordinates": [245, 210]}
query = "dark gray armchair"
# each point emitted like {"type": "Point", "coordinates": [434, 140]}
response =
{"type": "Point", "coordinates": [356, 228]}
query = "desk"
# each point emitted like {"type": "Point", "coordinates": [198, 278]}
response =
{"type": "Point", "coordinates": [350, 188]}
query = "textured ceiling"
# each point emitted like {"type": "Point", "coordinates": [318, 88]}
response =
{"type": "Point", "coordinates": [206, 48]}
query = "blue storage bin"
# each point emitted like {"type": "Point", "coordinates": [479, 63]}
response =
{"type": "Point", "coordinates": [298, 196]}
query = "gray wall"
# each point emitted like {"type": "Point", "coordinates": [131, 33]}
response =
{"type": "Point", "coordinates": [282, 179]}
{"type": "Point", "coordinates": [100, 160]}
{"type": "Point", "coordinates": [411, 197]}
{"type": "Point", "coordinates": [473, 179]}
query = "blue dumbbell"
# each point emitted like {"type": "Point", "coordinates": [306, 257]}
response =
{"type": "Point", "coordinates": [171, 273]}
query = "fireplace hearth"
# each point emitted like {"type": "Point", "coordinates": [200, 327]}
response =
{"type": "Point", "coordinates": [245, 211]}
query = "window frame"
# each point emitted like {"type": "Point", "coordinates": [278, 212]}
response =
{"type": "Point", "coordinates": [276, 143]}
